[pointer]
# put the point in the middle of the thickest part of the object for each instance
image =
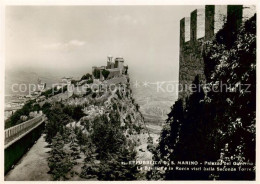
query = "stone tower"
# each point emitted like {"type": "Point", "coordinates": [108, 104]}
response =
{"type": "Point", "coordinates": [110, 63]}
{"type": "Point", "coordinates": [119, 63]}
{"type": "Point", "coordinates": [202, 25]}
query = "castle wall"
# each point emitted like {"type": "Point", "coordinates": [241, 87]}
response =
{"type": "Point", "coordinates": [234, 16]}
{"type": "Point", "coordinates": [202, 25]}
{"type": "Point", "coordinates": [116, 64]}
{"type": "Point", "coordinates": [209, 21]}
{"type": "Point", "coordinates": [121, 66]}
{"type": "Point", "coordinates": [187, 28]}
{"type": "Point", "coordinates": [220, 16]}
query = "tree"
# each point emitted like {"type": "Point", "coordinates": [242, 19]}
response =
{"type": "Point", "coordinates": [184, 137]}
{"type": "Point", "coordinates": [89, 169]}
{"type": "Point", "coordinates": [105, 73]}
{"type": "Point", "coordinates": [90, 81]}
{"type": "Point", "coordinates": [75, 112]}
{"type": "Point", "coordinates": [86, 77]}
{"type": "Point", "coordinates": [74, 147]}
{"type": "Point", "coordinates": [114, 169]}
{"type": "Point", "coordinates": [96, 73]}
{"type": "Point", "coordinates": [221, 125]}
{"type": "Point", "coordinates": [57, 119]}
{"type": "Point", "coordinates": [113, 149]}
{"type": "Point", "coordinates": [235, 65]}
{"type": "Point", "coordinates": [58, 161]}
{"type": "Point", "coordinates": [25, 110]}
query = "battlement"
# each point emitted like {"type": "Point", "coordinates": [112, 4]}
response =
{"type": "Point", "coordinates": [205, 22]}
{"type": "Point", "coordinates": [202, 25]}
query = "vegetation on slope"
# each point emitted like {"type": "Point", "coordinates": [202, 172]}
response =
{"type": "Point", "coordinates": [15, 119]}
{"type": "Point", "coordinates": [95, 146]}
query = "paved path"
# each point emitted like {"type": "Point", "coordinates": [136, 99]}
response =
{"type": "Point", "coordinates": [33, 166]}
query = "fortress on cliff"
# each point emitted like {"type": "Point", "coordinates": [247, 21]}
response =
{"type": "Point", "coordinates": [201, 26]}
{"type": "Point", "coordinates": [114, 69]}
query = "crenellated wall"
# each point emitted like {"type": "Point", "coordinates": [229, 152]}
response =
{"type": "Point", "coordinates": [202, 25]}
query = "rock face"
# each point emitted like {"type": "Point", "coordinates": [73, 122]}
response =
{"type": "Point", "coordinates": [200, 27]}
{"type": "Point", "coordinates": [109, 112]}
{"type": "Point", "coordinates": [118, 100]}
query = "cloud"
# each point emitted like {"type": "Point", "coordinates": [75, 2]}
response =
{"type": "Point", "coordinates": [72, 44]}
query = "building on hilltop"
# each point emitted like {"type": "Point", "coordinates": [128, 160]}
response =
{"type": "Point", "coordinates": [115, 69]}
{"type": "Point", "coordinates": [201, 26]}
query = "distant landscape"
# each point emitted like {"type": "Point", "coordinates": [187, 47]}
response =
{"type": "Point", "coordinates": [154, 105]}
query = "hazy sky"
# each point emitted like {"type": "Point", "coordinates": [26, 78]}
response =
{"type": "Point", "coordinates": [71, 39]}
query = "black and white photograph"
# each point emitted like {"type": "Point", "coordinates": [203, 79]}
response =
{"type": "Point", "coordinates": [129, 92]}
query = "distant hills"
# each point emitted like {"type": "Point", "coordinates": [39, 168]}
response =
{"type": "Point", "coordinates": [28, 77]}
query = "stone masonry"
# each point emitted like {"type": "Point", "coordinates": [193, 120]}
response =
{"type": "Point", "coordinates": [201, 26]}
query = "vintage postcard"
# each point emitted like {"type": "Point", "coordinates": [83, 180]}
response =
{"type": "Point", "coordinates": [118, 91]}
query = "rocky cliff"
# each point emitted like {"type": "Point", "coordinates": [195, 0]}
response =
{"type": "Point", "coordinates": [96, 133]}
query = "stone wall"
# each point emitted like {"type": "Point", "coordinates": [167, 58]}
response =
{"type": "Point", "coordinates": [202, 25]}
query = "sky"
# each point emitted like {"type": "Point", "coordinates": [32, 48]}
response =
{"type": "Point", "coordinates": [71, 39]}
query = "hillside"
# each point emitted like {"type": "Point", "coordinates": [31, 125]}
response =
{"type": "Point", "coordinates": [100, 132]}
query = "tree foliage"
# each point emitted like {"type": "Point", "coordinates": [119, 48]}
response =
{"type": "Point", "coordinates": [105, 73]}
{"type": "Point", "coordinates": [25, 110]}
{"type": "Point", "coordinates": [113, 149]}
{"type": "Point", "coordinates": [59, 162]}
{"type": "Point", "coordinates": [57, 119]}
{"type": "Point", "coordinates": [86, 77]}
{"type": "Point", "coordinates": [96, 73]}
